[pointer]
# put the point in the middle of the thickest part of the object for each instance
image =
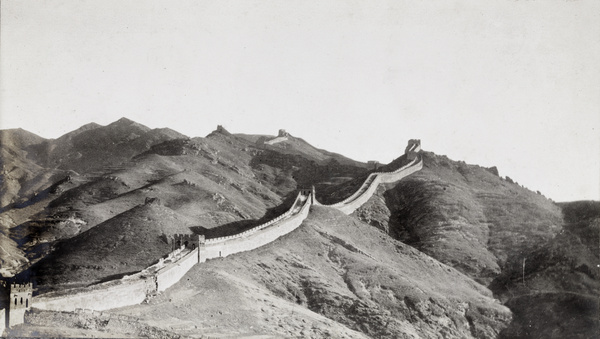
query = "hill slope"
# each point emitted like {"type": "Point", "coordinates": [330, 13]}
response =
{"type": "Point", "coordinates": [101, 201]}
{"type": "Point", "coordinates": [554, 290]}
{"type": "Point", "coordinates": [464, 215]}
{"type": "Point", "coordinates": [488, 227]}
{"type": "Point", "coordinates": [214, 186]}
{"type": "Point", "coordinates": [354, 277]}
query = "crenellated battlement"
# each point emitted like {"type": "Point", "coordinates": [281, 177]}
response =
{"type": "Point", "coordinates": [21, 288]}
{"type": "Point", "coordinates": [190, 241]}
{"type": "Point", "coordinates": [18, 302]}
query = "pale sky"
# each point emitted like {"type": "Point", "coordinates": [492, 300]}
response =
{"type": "Point", "coordinates": [512, 84]}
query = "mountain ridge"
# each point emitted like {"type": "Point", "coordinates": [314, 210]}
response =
{"type": "Point", "coordinates": [460, 217]}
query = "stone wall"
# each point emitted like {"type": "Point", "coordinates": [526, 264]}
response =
{"type": "Point", "coordinates": [15, 316]}
{"type": "Point", "coordinates": [170, 274]}
{"type": "Point", "coordinates": [414, 166]}
{"type": "Point", "coordinates": [368, 188]}
{"type": "Point", "coordinates": [124, 292]}
{"type": "Point", "coordinates": [259, 235]}
{"type": "Point", "coordinates": [2, 321]}
{"type": "Point", "coordinates": [130, 290]}
{"type": "Point", "coordinates": [276, 140]}
{"type": "Point", "coordinates": [134, 289]}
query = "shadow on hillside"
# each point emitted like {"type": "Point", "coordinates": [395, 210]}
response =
{"type": "Point", "coordinates": [332, 194]}
{"type": "Point", "coordinates": [407, 210]}
{"type": "Point", "coordinates": [236, 227]}
{"type": "Point", "coordinates": [553, 315]}
{"type": "Point", "coordinates": [305, 172]}
{"type": "Point", "coordinates": [113, 277]}
{"type": "Point", "coordinates": [37, 197]}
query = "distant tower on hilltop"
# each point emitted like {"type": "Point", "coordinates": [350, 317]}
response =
{"type": "Point", "coordinates": [413, 147]}
{"type": "Point", "coordinates": [222, 130]}
{"type": "Point", "coordinates": [281, 136]}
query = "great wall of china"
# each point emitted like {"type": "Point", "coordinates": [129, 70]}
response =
{"type": "Point", "coordinates": [191, 249]}
{"type": "Point", "coordinates": [368, 188]}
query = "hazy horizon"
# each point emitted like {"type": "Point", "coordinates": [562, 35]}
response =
{"type": "Point", "coordinates": [507, 84]}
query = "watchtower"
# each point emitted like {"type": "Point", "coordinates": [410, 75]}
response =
{"type": "Point", "coordinates": [19, 302]}
{"type": "Point", "coordinates": [190, 241]}
{"type": "Point", "coordinates": [373, 164]}
{"type": "Point", "coordinates": [283, 133]}
{"type": "Point", "coordinates": [309, 191]}
{"type": "Point", "coordinates": [413, 147]}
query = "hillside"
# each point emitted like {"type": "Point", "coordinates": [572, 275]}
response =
{"type": "Point", "coordinates": [93, 147]}
{"type": "Point", "coordinates": [31, 163]}
{"type": "Point", "coordinates": [20, 176]}
{"type": "Point", "coordinates": [297, 146]}
{"type": "Point", "coordinates": [468, 217]}
{"type": "Point", "coordinates": [435, 254]}
{"type": "Point", "coordinates": [354, 279]}
{"type": "Point", "coordinates": [464, 215]}
{"type": "Point", "coordinates": [554, 290]}
{"type": "Point", "coordinates": [214, 186]}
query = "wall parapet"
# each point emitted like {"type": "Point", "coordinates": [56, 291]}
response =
{"type": "Point", "coordinates": [276, 140]}
{"type": "Point", "coordinates": [300, 199]}
{"type": "Point", "coordinates": [260, 235]}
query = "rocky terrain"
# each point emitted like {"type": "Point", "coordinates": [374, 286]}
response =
{"type": "Point", "coordinates": [538, 257]}
{"type": "Point", "coordinates": [453, 250]}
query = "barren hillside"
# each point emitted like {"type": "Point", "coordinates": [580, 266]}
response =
{"type": "Point", "coordinates": [488, 227]}
{"type": "Point", "coordinates": [453, 250]}
{"type": "Point", "coordinates": [215, 186]}
{"type": "Point", "coordinates": [352, 278]}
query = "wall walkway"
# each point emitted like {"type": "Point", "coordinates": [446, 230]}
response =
{"type": "Point", "coordinates": [259, 235]}
{"type": "Point", "coordinates": [368, 188]}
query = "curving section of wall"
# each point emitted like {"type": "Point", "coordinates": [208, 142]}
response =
{"type": "Point", "coordinates": [380, 178]}
{"type": "Point", "coordinates": [259, 235]}
{"type": "Point", "coordinates": [368, 188]}
{"type": "Point", "coordinates": [129, 290]}
{"type": "Point", "coordinates": [134, 289]}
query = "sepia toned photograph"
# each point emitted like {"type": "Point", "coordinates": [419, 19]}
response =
{"type": "Point", "coordinates": [300, 169]}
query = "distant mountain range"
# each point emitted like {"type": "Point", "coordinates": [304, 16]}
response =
{"type": "Point", "coordinates": [438, 253]}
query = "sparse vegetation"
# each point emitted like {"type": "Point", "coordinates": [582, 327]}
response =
{"type": "Point", "coordinates": [100, 202]}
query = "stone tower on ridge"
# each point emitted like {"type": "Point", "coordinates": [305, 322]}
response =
{"type": "Point", "coordinates": [413, 147]}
